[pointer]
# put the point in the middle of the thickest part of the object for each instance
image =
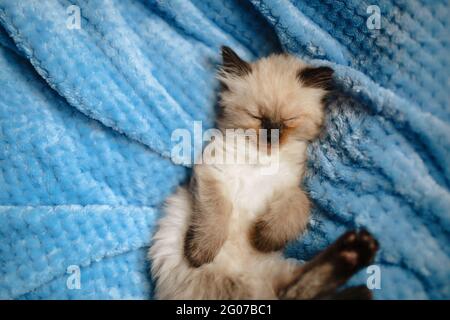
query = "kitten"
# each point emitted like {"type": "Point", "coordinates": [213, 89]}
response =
{"type": "Point", "coordinates": [222, 235]}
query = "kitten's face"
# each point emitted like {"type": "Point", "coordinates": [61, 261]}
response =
{"type": "Point", "coordinates": [278, 92]}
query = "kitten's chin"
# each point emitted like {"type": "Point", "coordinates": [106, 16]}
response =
{"type": "Point", "coordinates": [266, 149]}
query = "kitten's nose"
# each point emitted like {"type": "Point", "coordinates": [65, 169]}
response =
{"type": "Point", "coordinates": [270, 125]}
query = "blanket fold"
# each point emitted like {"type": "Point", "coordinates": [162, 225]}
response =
{"type": "Point", "coordinates": [87, 116]}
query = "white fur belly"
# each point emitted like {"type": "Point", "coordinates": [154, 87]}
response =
{"type": "Point", "coordinates": [250, 189]}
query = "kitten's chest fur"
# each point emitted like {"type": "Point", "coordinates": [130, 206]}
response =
{"type": "Point", "coordinates": [250, 188]}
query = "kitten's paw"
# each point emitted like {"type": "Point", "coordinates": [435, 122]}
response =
{"type": "Point", "coordinates": [355, 250]}
{"type": "Point", "coordinates": [351, 293]}
{"type": "Point", "coordinates": [198, 252]}
{"type": "Point", "coordinates": [264, 239]}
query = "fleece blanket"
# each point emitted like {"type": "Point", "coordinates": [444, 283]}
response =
{"type": "Point", "coordinates": [91, 92]}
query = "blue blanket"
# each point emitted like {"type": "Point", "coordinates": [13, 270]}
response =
{"type": "Point", "coordinates": [87, 110]}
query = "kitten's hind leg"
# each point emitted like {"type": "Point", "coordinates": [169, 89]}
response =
{"type": "Point", "coordinates": [351, 293]}
{"type": "Point", "coordinates": [286, 217]}
{"type": "Point", "coordinates": [208, 226]}
{"type": "Point", "coordinates": [332, 267]}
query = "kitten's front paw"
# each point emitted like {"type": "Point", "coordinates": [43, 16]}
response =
{"type": "Point", "coordinates": [263, 238]}
{"type": "Point", "coordinates": [198, 252]}
{"type": "Point", "coordinates": [356, 250]}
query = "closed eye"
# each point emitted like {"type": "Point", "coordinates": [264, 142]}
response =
{"type": "Point", "coordinates": [254, 116]}
{"type": "Point", "coordinates": [291, 122]}
{"type": "Point", "coordinates": [293, 118]}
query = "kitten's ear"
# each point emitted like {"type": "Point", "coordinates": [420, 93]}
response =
{"type": "Point", "coordinates": [320, 77]}
{"type": "Point", "coordinates": [233, 64]}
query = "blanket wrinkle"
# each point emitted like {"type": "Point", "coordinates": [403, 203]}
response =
{"type": "Point", "coordinates": [86, 118]}
{"type": "Point", "coordinates": [44, 221]}
{"type": "Point", "coordinates": [305, 36]}
{"type": "Point", "coordinates": [180, 15]}
{"type": "Point", "coordinates": [405, 115]}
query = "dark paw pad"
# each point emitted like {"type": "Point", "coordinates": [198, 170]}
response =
{"type": "Point", "coordinates": [356, 249]}
{"type": "Point", "coordinates": [263, 240]}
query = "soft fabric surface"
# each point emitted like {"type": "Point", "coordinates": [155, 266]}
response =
{"type": "Point", "coordinates": [86, 118]}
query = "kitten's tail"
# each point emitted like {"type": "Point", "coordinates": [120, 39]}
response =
{"type": "Point", "coordinates": [174, 278]}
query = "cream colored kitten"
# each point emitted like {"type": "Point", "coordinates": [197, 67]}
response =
{"type": "Point", "coordinates": [222, 236]}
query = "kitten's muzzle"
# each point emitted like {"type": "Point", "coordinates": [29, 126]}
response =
{"type": "Point", "coordinates": [270, 125]}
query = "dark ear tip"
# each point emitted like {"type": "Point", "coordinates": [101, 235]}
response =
{"type": "Point", "coordinates": [226, 51]}
{"type": "Point", "coordinates": [318, 77]}
{"type": "Point", "coordinates": [232, 63]}
{"type": "Point", "coordinates": [328, 69]}
{"type": "Point", "coordinates": [324, 70]}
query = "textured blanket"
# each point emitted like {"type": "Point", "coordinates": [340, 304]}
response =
{"type": "Point", "coordinates": [90, 92]}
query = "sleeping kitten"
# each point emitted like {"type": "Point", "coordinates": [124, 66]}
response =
{"type": "Point", "coordinates": [222, 236]}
